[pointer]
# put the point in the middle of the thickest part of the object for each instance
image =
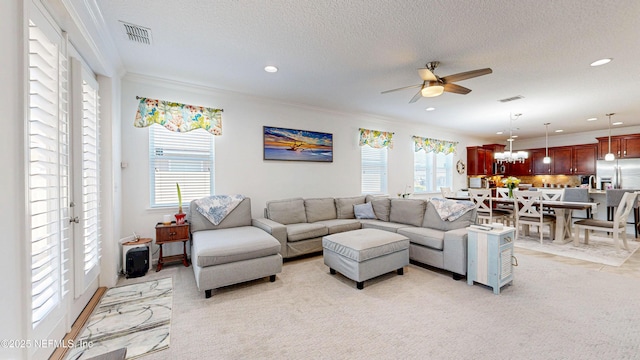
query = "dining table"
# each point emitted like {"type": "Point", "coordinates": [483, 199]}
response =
{"type": "Point", "coordinates": [563, 211]}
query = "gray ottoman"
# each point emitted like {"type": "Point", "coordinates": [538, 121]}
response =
{"type": "Point", "coordinates": [366, 253]}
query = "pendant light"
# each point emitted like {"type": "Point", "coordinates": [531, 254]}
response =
{"type": "Point", "coordinates": [547, 159]}
{"type": "Point", "coordinates": [511, 156]}
{"type": "Point", "coordinates": [609, 156]}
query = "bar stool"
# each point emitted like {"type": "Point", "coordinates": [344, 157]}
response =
{"type": "Point", "coordinates": [613, 197]}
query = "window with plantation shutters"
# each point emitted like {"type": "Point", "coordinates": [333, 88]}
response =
{"type": "Point", "coordinates": [374, 170]}
{"type": "Point", "coordinates": [48, 160]}
{"type": "Point", "coordinates": [184, 158]}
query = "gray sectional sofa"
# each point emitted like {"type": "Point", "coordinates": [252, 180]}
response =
{"type": "Point", "coordinates": [299, 225]}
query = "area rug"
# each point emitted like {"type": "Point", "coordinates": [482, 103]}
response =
{"type": "Point", "coordinates": [599, 250]}
{"type": "Point", "coordinates": [136, 316]}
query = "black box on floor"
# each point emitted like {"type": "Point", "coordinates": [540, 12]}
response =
{"type": "Point", "coordinates": [137, 262]}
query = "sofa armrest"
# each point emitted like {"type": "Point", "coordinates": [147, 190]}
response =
{"type": "Point", "coordinates": [276, 230]}
{"type": "Point", "coordinates": [455, 251]}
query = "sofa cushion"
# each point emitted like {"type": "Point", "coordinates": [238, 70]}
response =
{"type": "Point", "coordinates": [344, 206]}
{"type": "Point", "coordinates": [304, 231]}
{"type": "Point", "coordinates": [407, 211]}
{"type": "Point", "coordinates": [287, 211]}
{"type": "Point", "coordinates": [319, 209]}
{"type": "Point", "coordinates": [215, 247]}
{"type": "Point", "coordinates": [340, 225]}
{"type": "Point", "coordinates": [364, 211]}
{"type": "Point", "coordinates": [430, 238]}
{"type": "Point", "coordinates": [382, 208]}
{"type": "Point", "coordinates": [381, 225]}
{"type": "Point", "coordinates": [432, 219]}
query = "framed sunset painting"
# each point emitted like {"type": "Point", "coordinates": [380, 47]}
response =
{"type": "Point", "coordinates": [297, 145]}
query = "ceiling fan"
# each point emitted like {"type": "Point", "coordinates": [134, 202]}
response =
{"type": "Point", "coordinates": [433, 85]}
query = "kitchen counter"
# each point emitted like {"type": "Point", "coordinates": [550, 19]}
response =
{"type": "Point", "coordinates": [595, 191]}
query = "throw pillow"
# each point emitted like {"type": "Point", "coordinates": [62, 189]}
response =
{"type": "Point", "coordinates": [364, 211]}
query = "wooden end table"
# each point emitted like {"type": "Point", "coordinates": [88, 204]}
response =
{"type": "Point", "coordinates": [168, 234]}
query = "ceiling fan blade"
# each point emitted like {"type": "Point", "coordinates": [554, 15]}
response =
{"type": "Point", "coordinates": [466, 75]}
{"type": "Point", "coordinates": [427, 75]}
{"type": "Point", "coordinates": [402, 88]}
{"type": "Point", "coordinates": [416, 97]}
{"type": "Point", "coordinates": [457, 89]}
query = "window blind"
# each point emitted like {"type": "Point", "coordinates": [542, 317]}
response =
{"type": "Point", "coordinates": [374, 170]}
{"type": "Point", "coordinates": [184, 158]}
{"type": "Point", "coordinates": [48, 173]}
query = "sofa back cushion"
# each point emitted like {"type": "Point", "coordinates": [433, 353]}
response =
{"type": "Point", "coordinates": [287, 211]}
{"type": "Point", "coordinates": [433, 220]}
{"type": "Point", "coordinates": [407, 211]}
{"type": "Point", "coordinates": [382, 208]}
{"type": "Point", "coordinates": [344, 206]}
{"type": "Point", "coordinates": [320, 209]}
{"type": "Point", "coordinates": [240, 216]}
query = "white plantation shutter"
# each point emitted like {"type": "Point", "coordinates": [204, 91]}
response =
{"type": "Point", "coordinates": [87, 175]}
{"type": "Point", "coordinates": [374, 170]}
{"type": "Point", "coordinates": [184, 158]}
{"type": "Point", "coordinates": [48, 170]}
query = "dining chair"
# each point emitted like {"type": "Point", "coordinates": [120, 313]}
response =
{"type": "Point", "coordinates": [617, 226]}
{"type": "Point", "coordinates": [506, 208]}
{"type": "Point", "coordinates": [578, 195]}
{"type": "Point", "coordinates": [529, 212]}
{"type": "Point", "coordinates": [446, 191]}
{"type": "Point", "coordinates": [484, 206]}
{"type": "Point", "coordinates": [613, 198]}
{"type": "Point", "coordinates": [550, 194]}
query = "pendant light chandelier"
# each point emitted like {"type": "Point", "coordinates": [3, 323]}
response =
{"type": "Point", "coordinates": [547, 159]}
{"type": "Point", "coordinates": [609, 156]}
{"type": "Point", "coordinates": [510, 156]}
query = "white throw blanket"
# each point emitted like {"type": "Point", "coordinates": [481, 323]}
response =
{"type": "Point", "coordinates": [451, 209]}
{"type": "Point", "coordinates": [215, 208]}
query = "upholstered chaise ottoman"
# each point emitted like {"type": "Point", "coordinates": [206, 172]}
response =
{"type": "Point", "coordinates": [366, 253]}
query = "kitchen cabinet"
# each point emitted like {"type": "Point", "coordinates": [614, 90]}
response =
{"type": "Point", "coordinates": [480, 159]}
{"type": "Point", "coordinates": [584, 159]}
{"type": "Point", "coordinates": [538, 167]}
{"type": "Point", "coordinates": [622, 146]}
{"type": "Point", "coordinates": [561, 160]}
{"type": "Point", "coordinates": [520, 168]}
{"type": "Point", "coordinates": [565, 160]}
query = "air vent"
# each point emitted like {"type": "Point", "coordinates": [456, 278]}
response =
{"type": "Point", "coordinates": [137, 33]}
{"type": "Point", "coordinates": [514, 98]}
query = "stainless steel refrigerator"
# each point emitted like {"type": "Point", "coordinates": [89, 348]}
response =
{"type": "Point", "coordinates": [618, 174]}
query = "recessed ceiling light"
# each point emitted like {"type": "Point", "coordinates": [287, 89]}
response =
{"type": "Point", "coordinates": [601, 62]}
{"type": "Point", "coordinates": [514, 136]}
{"type": "Point", "coordinates": [617, 123]}
{"type": "Point", "coordinates": [499, 133]}
{"type": "Point", "coordinates": [430, 108]}
{"type": "Point", "coordinates": [559, 130]}
{"type": "Point", "coordinates": [270, 69]}
{"type": "Point", "coordinates": [592, 119]}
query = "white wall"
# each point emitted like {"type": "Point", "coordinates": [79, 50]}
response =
{"type": "Point", "coordinates": [13, 266]}
{"type": "Point", "coordinates": [240, 167]}
{"type": "Point", "coordinates": [587, 137]}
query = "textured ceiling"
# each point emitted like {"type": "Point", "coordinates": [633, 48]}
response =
{"type": "Point", "coordinates": [341, 54]}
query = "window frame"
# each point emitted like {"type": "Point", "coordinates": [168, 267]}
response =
{"type": "Point", "coordinates": [431, 176]}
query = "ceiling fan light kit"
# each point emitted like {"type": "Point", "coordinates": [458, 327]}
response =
{"type": "Point", "coordinates": [433, 85]}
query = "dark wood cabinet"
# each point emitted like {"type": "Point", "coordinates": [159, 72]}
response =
{"type": "Point", "coordinates": [538, 167]}
{"type": "Point", "coordinates": [477, 161]}
{"type": "Point", "coordinates": [520, 168]}
{"type": "Point", "coordinates": [622, 146]}
{"type": "Point", "coordinates": [561, 160]}
{"type": "Point", "coordinates": [584, 159]}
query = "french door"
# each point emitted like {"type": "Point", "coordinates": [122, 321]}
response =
{"type": "Point", "coordinates": [62, 188]}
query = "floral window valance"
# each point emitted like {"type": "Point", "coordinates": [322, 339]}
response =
{"type": "Point", "coordinates": [178, 117]}
{"type": "Point", "coordinates": [435, 145]}
{"type": "Point", "coordinates": [376, 139]}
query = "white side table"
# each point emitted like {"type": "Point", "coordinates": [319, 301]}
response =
{"type": "Point", "coordinates": [490, 257]}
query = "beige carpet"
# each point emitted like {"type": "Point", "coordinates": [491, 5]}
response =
{"type": "Point", "coordinates": [552, 311]}
{"type": "Point", "coordinates": [599, 250]}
